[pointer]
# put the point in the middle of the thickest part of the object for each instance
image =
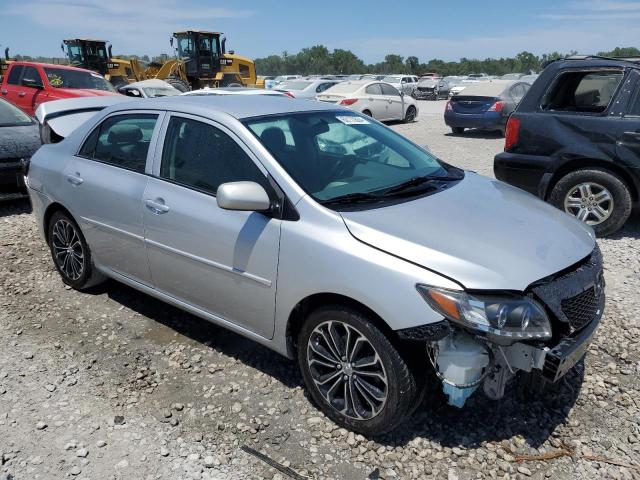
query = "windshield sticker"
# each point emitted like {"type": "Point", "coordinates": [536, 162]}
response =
{"type": "Point", "coordinates": [353, 120]}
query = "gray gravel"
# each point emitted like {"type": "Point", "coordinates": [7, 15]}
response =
{"type": "Point", "coordinates": [113, 384]}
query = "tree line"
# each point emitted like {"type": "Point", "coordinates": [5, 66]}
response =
{"type": "Point", "coordinates": [319, 60]}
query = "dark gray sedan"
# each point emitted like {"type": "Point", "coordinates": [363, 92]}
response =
{"type": "Point", "coordinates": [19, 139]}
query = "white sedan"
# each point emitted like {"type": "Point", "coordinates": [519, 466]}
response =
{"type": "Point", "coordinates": [376, 99]}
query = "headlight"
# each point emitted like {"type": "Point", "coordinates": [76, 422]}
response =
{"type": "Point", "coordinates": [506, 315]}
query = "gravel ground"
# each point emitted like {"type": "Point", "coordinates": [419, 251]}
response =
{"type": "Point", "coordinates": [113, 384]}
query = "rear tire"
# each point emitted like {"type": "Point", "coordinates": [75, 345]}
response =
{"type": "Point", "coordinates": [411, 114]}
{"type": "Point", "coordinates": [582, 193]}
{"type": "Point", "coordinates": [178, 83]}
{"type": "Point", "coordinates": [70, 253]}
{"type": "Point", "coordinates": [367, 113]}
{"type": "Point", "coordinates": [354, 373]}
{"type": "Point", "coordinates": [457, 130]}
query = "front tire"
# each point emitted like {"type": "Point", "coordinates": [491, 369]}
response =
{"type": "Point", "coordinates": [70, 253]}
{"type": "Point", "coordinates": [597, 197]}
{"type": "Point", "coordinates": [354, 373]}
{"type": "Point", "coordinates": [457, 130]}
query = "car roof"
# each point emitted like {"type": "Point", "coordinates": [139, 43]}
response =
{"type": "Point", "coordinates": [238, 106]}
{"type": "Point", "coordinates": [151, 83]}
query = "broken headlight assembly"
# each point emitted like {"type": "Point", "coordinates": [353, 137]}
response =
{"type": "Point", "coordinates": [512, 316]}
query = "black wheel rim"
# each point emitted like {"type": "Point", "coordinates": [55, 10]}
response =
{"type": "Point", "coordinates": [67, 250]}
{"type": "Point", "coordinates": [411, 114]}
{"type": "Point", "coordinates": [347, 370]}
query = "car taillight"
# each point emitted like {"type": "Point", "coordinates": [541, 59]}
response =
{"type": "Point", "coordinates": [497, 107]}
{"type": "Point", "coordinates": [511, 133]}
{"type": "Point", "coordinates": [448, 107]}
{"type": "Point", "coordinates": [348, 101]}
{"type": "Point", "coordinates": [289, 94]}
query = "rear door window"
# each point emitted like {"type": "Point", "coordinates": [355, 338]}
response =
{"type": "Point", "coordinates": [14, 75]}
{"type": "Point", "coordinates": [582, 91]}
{"type": "Point", "coordinates": [389, 90]}
{"type": "Point", "coordinates": [373, 89]}
{"type": "Point", "coordinates": [122, 141]}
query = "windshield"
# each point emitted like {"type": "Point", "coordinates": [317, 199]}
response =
{"type": "Point", "coordinates": [391, 79]}
{"type": "Point", "coordinates": [153, 92]}
{"type": "Point", "coordinates": [336, 154]}
{"type": "Point", "coordinates": [11, 116]}
{"type": "Point", "coordinates": [64, 78]}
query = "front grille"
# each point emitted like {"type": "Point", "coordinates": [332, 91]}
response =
{"type": "Point", "coordinates": [581, 309]}
{"type": "Point", "coordinates": [575, 297]}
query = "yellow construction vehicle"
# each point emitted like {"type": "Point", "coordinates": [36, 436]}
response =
{"type": "Point", "coordinates": [201, 61]}
{"type": "Point", "coordinates": [96, 55]}
{"type": "Point", "coordinates": [4, 63]}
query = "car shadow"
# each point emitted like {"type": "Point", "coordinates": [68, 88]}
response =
{"type": "Point", "coordinates": [631, 229]}
{"type": "Point", "coordinates": [524, 411]}
{"type": "Point", "coordinates": [220, 339]}
{"type": "Point", "coordinates": [476, 133]}
{"type": "Point", "coordinates": [15, 207]}
{"type": "Point", "coordinates": [534, 417]}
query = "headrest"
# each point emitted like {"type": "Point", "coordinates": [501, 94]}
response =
{"type": "Point", "coordinates": [124, 133]}
{"type": "Point", "coordinates": [274, 139]}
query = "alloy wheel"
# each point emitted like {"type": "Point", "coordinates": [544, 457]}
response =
{"type": "Point", "coordinates": [67, 249]}
{"type": "Point", "coordinates": [411, 114]}
{"type": "Point", "coordinates": [347, 370]}
{"type": "Point", "coordinates": [589, 202]}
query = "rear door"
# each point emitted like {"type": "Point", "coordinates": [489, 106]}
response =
{"type": "Point", "coordinates": [375, 101]}
{"type": "Point", "coordinates": [106, 181]}
{"type": "Point", "coordinates": [11, 89]}
{"type": "Point", "coordinates": [395, 104]}
{"type": "Point", "coordinates": [628, 144]}
{"type": "Point", "coordinates": [222, 262]}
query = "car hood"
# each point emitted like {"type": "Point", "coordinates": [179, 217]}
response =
{"type": "Point", "coordinates": [482, 233]}
{"type": "Point", "coordinates": [19, 142]}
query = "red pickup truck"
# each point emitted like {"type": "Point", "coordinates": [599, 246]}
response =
{"type": "Point", "coordinates": [28, 84]}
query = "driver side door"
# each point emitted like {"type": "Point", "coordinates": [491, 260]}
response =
{"type": "Point", "coordinates": [221, 262]}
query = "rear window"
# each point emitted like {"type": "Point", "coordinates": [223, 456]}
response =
{"type": "Point", "coordinates": [294, 85]}
{"type": "Point", "coordinates": [345, 87]}
{"type": "Point", "coordinates": [66, 78]}
{"type": "Point", "coordinates": [588, 92]}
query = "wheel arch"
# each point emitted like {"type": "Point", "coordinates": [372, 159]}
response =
{"type": "Point", "coordinates": [48, 213]}
{"type": "Point", "coordinates": [585, 163]}
{"type": "Point", "coordinates": [312, 302]}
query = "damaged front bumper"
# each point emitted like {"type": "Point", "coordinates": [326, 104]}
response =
{"type": "Point", "coordinates": [465, 358]}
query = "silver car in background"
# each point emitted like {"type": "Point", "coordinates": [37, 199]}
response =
{"type": "Point", "coordinates": [326, 236]}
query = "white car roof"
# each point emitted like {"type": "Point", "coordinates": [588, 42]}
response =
{"type": "Point", "coordinates": [232, 91]}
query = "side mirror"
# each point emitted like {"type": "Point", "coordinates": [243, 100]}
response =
{"type": "Point", "coordinates": [32, 83]}
{"type": "Point", "coordinates": [171, 41]}
{"type": "Point", "coordinates": [244, 196]}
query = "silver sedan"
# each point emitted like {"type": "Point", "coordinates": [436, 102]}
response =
{"type": "Point", "coordinates": [326, 236]}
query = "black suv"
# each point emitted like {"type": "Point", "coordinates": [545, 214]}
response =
{"type": "Point", "coordinates": [574, 140]}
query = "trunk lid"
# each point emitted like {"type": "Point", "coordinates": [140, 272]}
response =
{"type": "Point", "coordinates": [471, 104]}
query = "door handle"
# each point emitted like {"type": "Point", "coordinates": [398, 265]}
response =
{"type": "Point", "coordinates": [75, 179]}
{"type": "Point", "coordinates": [157, 206]}
{"type": "Point", "coordinates": [21, 94]}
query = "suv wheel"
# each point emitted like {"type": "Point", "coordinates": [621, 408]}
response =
{"type": "Point", "coordinates": [70, 253]}
{"type": "Point", "coordinates": [457, 130]}
{"type": "Point", "coordinates": [354, 373]}
{"type": "Point", "coordinates": [597, 197]}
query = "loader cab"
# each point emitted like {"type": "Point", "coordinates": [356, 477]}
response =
{"type": "Point", "coordinates": [200, 52]}
{"type": "Point", "coordinates": [89, 54]}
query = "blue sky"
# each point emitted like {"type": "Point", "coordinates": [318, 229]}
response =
{"type": "Point", "coordinates": [442, 29]}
